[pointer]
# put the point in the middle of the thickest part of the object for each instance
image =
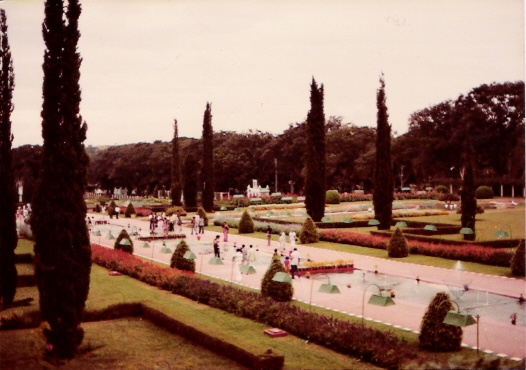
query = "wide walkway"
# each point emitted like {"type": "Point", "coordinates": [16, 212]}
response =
{"type": "Point", "coordinates": [495, 336]}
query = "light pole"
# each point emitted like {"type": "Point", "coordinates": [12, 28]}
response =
{"type": "Point", "coordinates": [324, 288]}
{"type": "Point", "coordinates": [459, 319]}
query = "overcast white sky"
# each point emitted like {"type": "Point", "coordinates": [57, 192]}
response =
{"type": "Point", "coordinates": [148, 62]}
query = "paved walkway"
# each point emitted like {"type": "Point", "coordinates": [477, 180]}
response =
{"type": "Point", "coordinates": [496, 336]}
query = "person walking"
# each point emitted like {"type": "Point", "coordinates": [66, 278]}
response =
{"type": "Point", "coordinates": [217, 252]}
{"type": "Point", "coordinates": [292, 239]}
{"type": "Point", "coordinates": [180, 223]}
{"type": "Point", "coordinates": [236, 260]}
{"type": "Point", "coordinates": [225, 232]}
{"type": "Point", "coordinates": [117, 211]}
{"type": "Point", "coordinates": [202, 225]}
{"type": "Point", "coordinates": [294, 262]}
{"type": "Point", "coordinates": [244, 253]}
{"type": "Point", "coordinates": [269, 235]}
{"type": "Point", "coordinates": [282, 240]}
{"type": "Point", "coordinates": [192, 224]}
{"type": "Point", "coordinates": [287, 264]}
{"type": "Point", "coordinates": [165, 226]}
{"type": "Point", "coordinates": [251, 256]}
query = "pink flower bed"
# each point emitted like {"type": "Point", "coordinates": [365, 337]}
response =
{"type": "Point", "coordinates": [468, 253]}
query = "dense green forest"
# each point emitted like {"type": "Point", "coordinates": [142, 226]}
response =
{"type": "Point", "coordinates": [429, 154]}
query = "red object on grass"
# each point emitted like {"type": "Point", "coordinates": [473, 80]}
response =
{"type": "Point", "coordinates": [275, 332]}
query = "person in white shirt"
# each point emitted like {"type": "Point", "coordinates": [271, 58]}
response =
{"type": "Point", "coordinates": [251, 256]}
{"type": "Point", "coordinates": [295, 261]}
{"type": "Point", "coordinates": [236, 260]}
{"type": "Point", "coordinates": [292, 238]}
{"type": "Point", "coordinates": [282, 240]}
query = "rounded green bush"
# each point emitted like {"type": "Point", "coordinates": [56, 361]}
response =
{"type": "Point", "coordinates": [517, 261]}
{"type": "Point", "coordinates": [309, 232]}
{"type": "Point", "coordinates": [280, 292]}
{"type": "Point", "coordinates": [170, 211]}
{"type": "Point", "coordinates": [130, 210]}
{"type": "Point", "coordinates": [442, 189]}
{"type": "Point", "coordinates": [332, 197]}
{"type": "Point", "coordinates": [434, 334]}
{"type": "Point", "coordinates": [202, 214]}
{"type": "Point", "coordinates": [178, 261]}
{"type": "Point", "coordinates": [246, 224]}
{"type": "Point", "coordinates": [97, 208]}
{"type": "Point", "coordinates": [397, 246]}
{"type": "Point", "coordinates": [125, 248]}
{"type": "Point", "coordinates": [484, 192]}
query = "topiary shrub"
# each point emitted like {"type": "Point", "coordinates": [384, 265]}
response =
{"type": "Point", "coordinates": [484, 192]}
{"type": "Point", "coordinates": [517, 261]}
{"type": "Point", "coordinates": [332, 197]}
{"type": "Point", "coordinates": [442, 189]}
{"type": "Point", "coordinates": [397, 246]}
{"type": "Point", "coordinates": [125, 248]}
{"type": "Point", "coordinates": [178, 261]}
{"type": "Point", "coordinates": [130, 210]}
{"type": "Point", "coordinates": [448, 197]}
{"type": "Point", "coordinates": [170, 211]}
{"type": "Point", "coordinates": [280, 292]}
{"type": "Point", "coordinates": [111, 209]}
{"type": "Point", "coordinates": [202, 214]}
{"type": "Point", "coordinates": [246, 224]}
{"type": "Point", "coordinates": [309, 232]}
{"type": "Point", "coordinates": [434, 334]}
{"type": "Point", "coordinates": [97, 208]}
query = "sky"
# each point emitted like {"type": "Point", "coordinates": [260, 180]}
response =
{"type": "Point", "coordinates": [146, 63]}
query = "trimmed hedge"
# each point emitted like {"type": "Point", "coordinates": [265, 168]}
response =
{"type": "Point", "coordinates": [280, 292]}
{"type": "Point", "coordinates": [397, 246]}
{"type": "Point", "coordinates": [484, 192]}
{"type": "Point", "coordinates": [246, 225]}
{"type": "Point", "coordinates": [377, 347]}
{"type": "Point", "coordinates": [125, 248]}
{"type": "Point", "coordinates": [332, 197]}
{"type": "Point", "coordinates": [178, 261]}
{"type": "Point", "coordinates": [130, 210]}
{"type": "Point", "coordinates": [309, 233]}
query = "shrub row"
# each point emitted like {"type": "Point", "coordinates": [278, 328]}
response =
{"type": "Point", "coordinates": [245, 202]}
{"type": "Point", "coordinates": [352, 197]}
{"type": "Point", "coordinates": [468, 253]}
{"type": "Point", "coordinates": [374, 346]}
{"type": "Point", "coordinates": [261, 226]}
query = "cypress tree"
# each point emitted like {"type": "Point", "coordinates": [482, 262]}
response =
{"type": "Point", "coordinates": [207, 166]}
{"type": "Point", "coordinates": [190, 181]}
{"type": "Point", "coordinates": [383, 172]}
{"type": "Point", "coordinates": [315, 155]}
{"type": "Point", "coordinates": [62, 246]}
{"type": "Point", "coordinates": [468, 201]}
{"type": "Point", "coordinates": [176, 169]}
{"type": "Point", "coordinates": [8, 237]}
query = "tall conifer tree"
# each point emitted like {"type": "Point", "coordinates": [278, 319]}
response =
{"type": "Point", "coordinates": [62, 246]}
{"type": "Point", "coordinates": [207, 165]}
{"type": "Point", "coordinates": [8, 237]}
{"type": "Point", "coordinates": [468, 201]}
{"type": "Point", "coordinates": [190, 181]}
{"type": "Point", "coordinates": [315, 155]}
{"type": "Point", "coordinates": [175, 192]}
{"type": "Point", "coordinates": [383, 172]}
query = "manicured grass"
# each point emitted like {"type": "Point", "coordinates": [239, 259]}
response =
{"type": "Point", "coordinates": [116, 344]}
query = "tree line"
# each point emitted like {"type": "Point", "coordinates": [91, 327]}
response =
{"type": "Point", "coordinates": [429, 154]}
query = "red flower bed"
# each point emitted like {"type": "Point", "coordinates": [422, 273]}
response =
{"type": "Point", "coordinates": [468, 253]}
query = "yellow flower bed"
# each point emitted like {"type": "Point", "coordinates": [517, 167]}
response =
{"type": "Point", "coordinates": [327, 263]}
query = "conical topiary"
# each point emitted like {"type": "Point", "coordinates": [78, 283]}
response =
{"type": "Point", "coordinates": [434, 334]}
{"type": "Point", "coordinates": [517, 261]}
{"type": "Point", "coordinates": [309, 232]}
{"type": "Point", "coordinates": [130, 210]}
{"type": "Point", "coordinates": [246, 225]}
{"type": "Point", "coordinates": [397, 246]}
{"type": "Point", "coordinates": [202, 214]}
{"type": "Point", "coordinates": [111, 209]}
{"type": "Point", "coordinates": [125, 248]}
{"type": "Point", "coordinates": [281, 292]}
{"type": "Point", "coordinates": [178, 261]}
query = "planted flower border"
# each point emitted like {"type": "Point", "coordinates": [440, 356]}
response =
{"type": "Point", "coordinates": [467, 253]}
{"type": "Point", "coordinates": [162, 237]}
{"type": "Point", "coordinates": [377, 347]}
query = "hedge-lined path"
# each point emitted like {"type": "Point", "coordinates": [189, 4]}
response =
{"type": "Point", "coordinates": [496, 336]}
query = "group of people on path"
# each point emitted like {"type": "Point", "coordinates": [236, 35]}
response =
{"type": "Point", "coordinates": [199, 222]}
{"type": "Point", "coordinates": [168, 223]}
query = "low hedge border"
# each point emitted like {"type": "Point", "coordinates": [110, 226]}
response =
{"type": "Point", "coordinates": [269, 360]}
{"type": "Point", "coordinates": [23, 258]}
{"type": "Point", "coordinates": [377, 347]}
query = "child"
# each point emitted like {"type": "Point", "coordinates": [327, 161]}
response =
{"type": "Point", "coordinates": [287, 264]}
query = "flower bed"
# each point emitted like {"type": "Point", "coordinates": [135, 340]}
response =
{"type": "Point", "coordinates": [377, 347]}
{"type": "Point", "coordinates": [468, 253]}
{"type": "Point", "coordinates": [162, 237]}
